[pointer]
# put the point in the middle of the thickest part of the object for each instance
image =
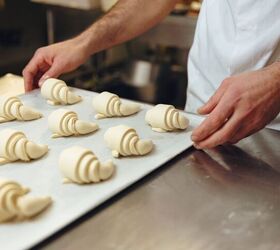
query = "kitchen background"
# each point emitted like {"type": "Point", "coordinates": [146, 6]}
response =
{"type": "Point", "coordinates": [151, 68]}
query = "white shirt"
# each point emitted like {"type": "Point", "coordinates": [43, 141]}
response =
{"type": "Point", "coordinates": [232, 36]}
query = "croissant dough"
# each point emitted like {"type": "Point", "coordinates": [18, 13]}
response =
{"type": "Point", "coordinates": [15, 203]}
{"type": "Point", "coordinates": [63, 122]}
{"type": "Point", "coordinates": [123, 140]}
{"type": "Point", "coordinates": [80, 165]}
{"type": "Point", "coordinates": [57, 92]}
{"type": "Point", "coordinates": [15, 146]}
{"type": "Point", "coordinates": [11, 108]}
{"type": "Point", "coordinates": [163, 118]}
{"type": "Point", "coordinates": [107, 104]}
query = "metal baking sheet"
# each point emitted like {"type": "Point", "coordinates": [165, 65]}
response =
{"type": "Point", "coordinates": [70, 201]}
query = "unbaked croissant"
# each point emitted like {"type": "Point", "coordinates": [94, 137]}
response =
{"type": "Point", "coordinates": [165, 117]}
{"type": "Point", "coordinates": [11, 108]}
{"type": "Point", "coordinates": [15, 146]}
{"type": "Point", "coordinates": [107, 104]}
{"type": "Point", "coordinates": [57, 92]}
{"type": "Point", "coordinates": [81, 166]}
{"type": "Point", "coordinates": [124, 141]}
{"type": "Point", "coordinates": [15, 203]}
{"type": "Point", "coordinates": [63, 122]}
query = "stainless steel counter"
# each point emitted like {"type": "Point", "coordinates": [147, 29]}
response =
{"type": "Point", "coordinates": [227, 198]}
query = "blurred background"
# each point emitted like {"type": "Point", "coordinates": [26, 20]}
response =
{"type": "Point", "coordinates": [151, 68]}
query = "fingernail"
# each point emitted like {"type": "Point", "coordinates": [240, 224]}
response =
{"type": "Point", "coordinates": [196, 146]}
{"type": "Point", "coordinates": [200, 109]}
{"type": "Point", "coordinates": [43, 78]}
{"type": "Point", "coordinates": [194, 138]}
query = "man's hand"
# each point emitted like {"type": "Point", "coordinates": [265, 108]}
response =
{"type": "Point", "coordinates": [52, 61]}
{"type": "Point", "coordinates": [126, 20]}
{"type": "Point", "coordinates": [241, 106]}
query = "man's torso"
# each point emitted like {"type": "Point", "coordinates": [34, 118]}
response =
{"type": "Point", "coordinates": [232, 36]}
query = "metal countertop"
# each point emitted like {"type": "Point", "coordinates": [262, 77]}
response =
{"type": "Point", "coordinates": [227, 198]}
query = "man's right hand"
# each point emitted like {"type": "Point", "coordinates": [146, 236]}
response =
{"type": "Point", "coordinates": [128, 19]}
{"type": "Point", "coordinates": [52, 61]}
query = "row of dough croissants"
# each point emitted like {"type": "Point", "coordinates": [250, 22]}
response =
{"type": "Point", "coordinates": [77, 164]}
{"type": "Point", "coordinates": [162, 117]}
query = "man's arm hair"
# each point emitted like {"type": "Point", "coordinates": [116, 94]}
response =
{"type": "Point", "coordinates": [126, 20]}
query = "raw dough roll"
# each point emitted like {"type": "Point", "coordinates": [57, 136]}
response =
{"type": "Point", "coordinates": [15, 203]}
{"type": "Point", "coordinates": [80, 165]}
{"type": "Point", "coordinates": [15, 146]}
{"type": "Point", "coordinates": [63, 122]}
{"type": "Point", "coordinates": [124, 141]}
{"type": "Point", "coordinates": [57, 92]}
{"type": "Point", "coordinates": [165, 117]}
{"type": "Point", "coordinates": [107, 104]}
{"type": "Point", "coordinates": [11, 108]}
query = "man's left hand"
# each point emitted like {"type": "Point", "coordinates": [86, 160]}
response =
{"type": "Point", "coordinates": [241, 106]}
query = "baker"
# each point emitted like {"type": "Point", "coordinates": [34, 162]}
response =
{"type": "Point", "coordinates": [233, 66]}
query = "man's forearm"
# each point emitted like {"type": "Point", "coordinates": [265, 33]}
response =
{"type": "Point", "coordinates": [274, 70]}
{"type": "Point", "coordinates": [128, 19]}
{"type": "Point", "coordinates": [277, 69]}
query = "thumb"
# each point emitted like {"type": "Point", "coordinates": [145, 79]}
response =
{"type": "Point", "coordinates": [209, 105]}
{"type": "Point", "coordinates": [53, 72]}
{"type": "Point", "coordinates": [213, 101]}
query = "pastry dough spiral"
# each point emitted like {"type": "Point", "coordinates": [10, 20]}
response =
{"type": "Point", "coordinates": [165, 117]}
{"type": "Point", "coordinates": [107, 104]}
{"type": "Point", "coordinates": [123, 140]}
{"type": "Point", "coordinates": [80, 165]}
{"type": "Point", "coordinates": [63, 122]}
{"type": "Point", "coordinates": [11, 108]}
{"type": "Point", "coordinates": [14, 201]}
{"type": "Point", "coordinates": [15, 146]}
{"type": "Point", "coordinates": [57, 92]}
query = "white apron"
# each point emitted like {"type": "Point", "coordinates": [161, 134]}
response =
{"type": "Point", "coordinates": [232, 36]}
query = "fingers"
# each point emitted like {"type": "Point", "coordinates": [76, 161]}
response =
{"type": "Point", "coordinates": [223, 135]}
{"type": "Point", "coordinates": [244, 132]}
{"type": "Point", "coordinates": [214, 100]}
{"type": "Point", "coordinates": [38, 70]}
{"type": "Point", "coordinates": [28, 81]}
{"type": "Point", "coordinates": [33, 70]}
{"type": "Point", "coordinates": [232, 131]}
{"type": "Point", "coordinates": [54, 71]}
{"type": "Point", "coordinates": [213, 122]}
{"type": "Point", "coordinates": [238, 136]}
{"type": "Point", "coordinates": [28, 74]}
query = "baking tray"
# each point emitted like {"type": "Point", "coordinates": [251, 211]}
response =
{"type": "Point", "coordinates": [71, 201]}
